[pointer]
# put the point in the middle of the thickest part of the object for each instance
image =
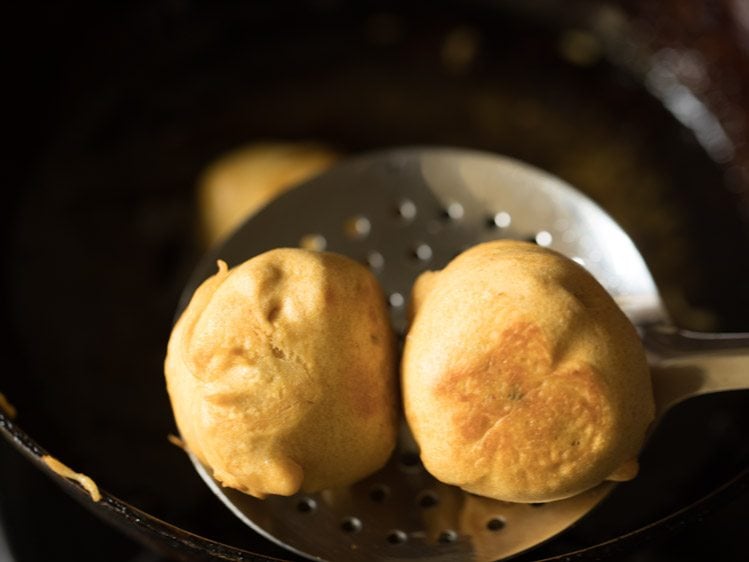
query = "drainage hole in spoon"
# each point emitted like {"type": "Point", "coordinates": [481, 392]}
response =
{"type": "Point", "coordinates": [315, 242]}
{"type": "Point", "coordinates": [396, 536]}
{"type": "Point", "coordinates": [357, 227]}
{"type": "Point", "coordinates": [422, 252]}
{"type": "Point", "coordinates": [495, 524]}
{"type": "Point", "coordinates": [454, 211]}
{"type": "Point", "coordinates": [540, 238]}
{"type": "Point", "coordinates": [306, 505]}
{"type": "Point", "coordinates": [427, 499]}
{"type": "Point", "coordinates": [351, 525]}
{"type": "Point", "coordinates": [396, 300]}
{"type": "Point", "coordinates": [410, 462]}
{"type": "Point", "coordinates": [499, 220]}
{"type": "Point", "coordinates": [447, 536]}
{"type": "Point", "coordinates": [406, 210]}
{"type": "Point", "coordinates": [379, 493]}
{"type": "Point", "coordinates": [375, 260]}
{"type": "Point", "coordinates": [543, 238]}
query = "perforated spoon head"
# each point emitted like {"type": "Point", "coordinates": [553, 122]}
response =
{"type": "Point", "coordinates": [402, 212]}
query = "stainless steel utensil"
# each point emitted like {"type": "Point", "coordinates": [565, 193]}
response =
{"type": "Point", "coordinates": [404, 211]}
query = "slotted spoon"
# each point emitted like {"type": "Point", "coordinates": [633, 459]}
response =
{"type": "Point", "coordinates": [404, 211]}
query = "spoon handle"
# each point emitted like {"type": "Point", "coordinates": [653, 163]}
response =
{"type": "Point", "coordinates": [686, 364]}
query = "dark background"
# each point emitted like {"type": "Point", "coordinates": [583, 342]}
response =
{"type": "Point", "coordinates": [116, 108]}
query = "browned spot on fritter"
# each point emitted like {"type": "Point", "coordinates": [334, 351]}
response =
{"type": "Point", "coordinates": [277, 352]}
{"type": "Point", "coordinates": [368, 391]}
{"type": "Point", "coordinates": [273, 311]}
{"type": "Point", "coordinates": [272, 274]}
{"type": "Point", "coordinates": [491, 386]}
{"type": "Point", "coordinates": [516, 402]}
{"type": "Point", "coordinates": [330, 295]}
{"type": "Point", "coordinates": [555, 430]}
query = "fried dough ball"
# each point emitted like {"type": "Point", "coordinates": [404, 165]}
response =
{"type": "Point", "coordinates": [281, 373]}
{"type": "Point", "coordinates": [522, 379]}
{"type": "Point", "coordinates": [242, 181]}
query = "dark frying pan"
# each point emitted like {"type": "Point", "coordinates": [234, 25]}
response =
{"type": "Point", "coordinates": [119, 109]}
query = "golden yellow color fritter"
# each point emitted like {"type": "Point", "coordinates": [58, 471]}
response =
{"type": "Point", "coordinates": [282, 373]}
{"type": "Point", "coordinates": [244, 180]}
{"type": "Point", "coordinates": [522, 379]}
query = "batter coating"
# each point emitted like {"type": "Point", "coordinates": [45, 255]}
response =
{"type": "Point", "coordinates": [281, 373]}
{"type": "Point", "coordinates": [522, 379]}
